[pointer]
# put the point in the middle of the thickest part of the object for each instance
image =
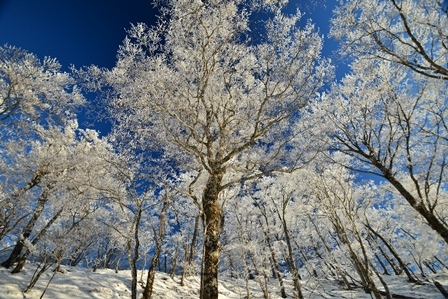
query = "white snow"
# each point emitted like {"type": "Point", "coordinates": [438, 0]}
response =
{"type": "Point", "coordinates": [83, 283]}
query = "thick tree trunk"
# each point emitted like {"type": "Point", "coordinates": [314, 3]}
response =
{"type": "Point", "coordinates": [212, 236]}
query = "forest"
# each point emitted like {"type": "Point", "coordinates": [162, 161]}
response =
{"type": "Point", "coordinates": [234, 150]}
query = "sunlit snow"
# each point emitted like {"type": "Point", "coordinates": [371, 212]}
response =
{"type": "Point", "coordinates": [84, 283]}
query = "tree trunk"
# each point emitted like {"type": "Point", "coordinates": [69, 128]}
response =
{"type": "Point", "coordinates": [290, 257]}
{"type": "Point", "coordinates": [22, 260]}
{"type": "Point", "coordinates": [13, 257]}
{"type": "Point", "coordinates": [397, 270]}
{"type": "Point", "coordinates": [186, 265]}
{"type": "Point", "coordinates": [433, 221]}
{"type": "Point", "coordinates": [190, 251]}
{"type": "Point", "coordinates": [212, 236]}
{"type": "Point", "coordinates": [369, 240]}
{"type": "Point", "coordinates": [261, 276]}
{"type": "Point", "coordinates": [147, 293]}
{"type": "Point", "coordinates": [333, 265]}
{"type": "Point", "coordinates": [441, 263]}
{"type": "Point", "coordinates": [46, 264]}
{"type": "Point", "coordinates": [442, 290]}
{"type": "Point", "coordinates": [275, 269]}
{"type": "Point", "coordinates": [361, 261]}
{"type": "Point", "coordinates": [402, 264]}
{"type": "Point", "coordinates": [174, 262]}
{"type": "Point", "coordinates": [133, 253]}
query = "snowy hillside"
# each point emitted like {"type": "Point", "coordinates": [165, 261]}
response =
{"type": "Point", "coordinates": [83, 283]}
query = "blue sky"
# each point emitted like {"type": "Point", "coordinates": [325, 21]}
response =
{"type": "Point", "coordinates": [84, 32]}
{"type": "Point", "coordinates": [81, 32]}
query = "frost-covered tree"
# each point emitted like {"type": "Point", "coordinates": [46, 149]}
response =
{"type": "Point", "coordinates": [343, 203]}
{"type": "Point", "coordinates": [412, 33]}
{"type": "Point", "coordinates": [34, 95]}
{"type": "Point", "coordinates": [398, 237]}
{"type": "Point", "coordinates": [393, 123]}
{"type": "Point", "coordinates": [66, 172]}
{"type": "Point", "coordinates": [31, 89]}
{"type": "Point", "coordinates": [389, 116]}
{"type": "Point", "coordinates": [280, 200]}
{"type": "Point", "coordinates": [200, 92]}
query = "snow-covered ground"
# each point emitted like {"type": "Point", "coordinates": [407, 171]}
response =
{"type": "Point", "coordinates": [83, 283]}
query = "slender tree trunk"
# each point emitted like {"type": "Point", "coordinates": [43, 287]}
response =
{"type": "Point", "coordinates": [80, 252]}
{"type": "Point", "coordinates": [24, 257]}
{"type": "Point", "coordinates": [403, 266]}
{"type": "Point", "coordinates": [133, 253]}
{"type": "Point", "coordinates": [441, 263]}
{"type": "Point", "coordinates": [434, 222]}
{"type": "Point", "coordinates": [360, 262]}
{"type": "Point", "coordinates": [165, 263]}
{"type": "Point", "coordinates": [290, 257]}
{"type": "Point", "coordinates": [385, 271]}
{"type": "Point", "coordinates": [194, 238]}
{"type": "Point", "coordinates": [430, 267]}
{"type": "Point", "coordinates": [47, 263]}
{"type": "Point", "coordinates": [383, 282]}
{"type": "Point", "coordinates": [212, 236]}
{"type": "Point", "coordinates": [147, 293]}
{"type": "Point", "coordinates": [186, 265]}
{"type": "Point", "coordinates": [7, 227]}
{"type": "Point", "coordinates": [174, 262]}
{"type": "Point", "coordinates": [13, 257]}
{"type": "Point", "coordinates": [397, 270]}
{"type": "Point", "coordinates": [189, 253]}
{"type": "Point", "coordinates": [333, 264]}
{"type": "Point", "coordinates": [312, 272]}
{"type": "Point", "coordinates": [275, 269]}
{"type": "Point", "coordinates": [378, 258]}
{"type": "Point", "coordinates": [35, 180]}
{"type": "Point", "coordinates": [261, 276]}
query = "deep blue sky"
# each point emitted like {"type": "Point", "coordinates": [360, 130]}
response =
{"type": "Point", "coordinates": [84, 32]}
{"type": "Point", "coordinates": [81, 32]}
